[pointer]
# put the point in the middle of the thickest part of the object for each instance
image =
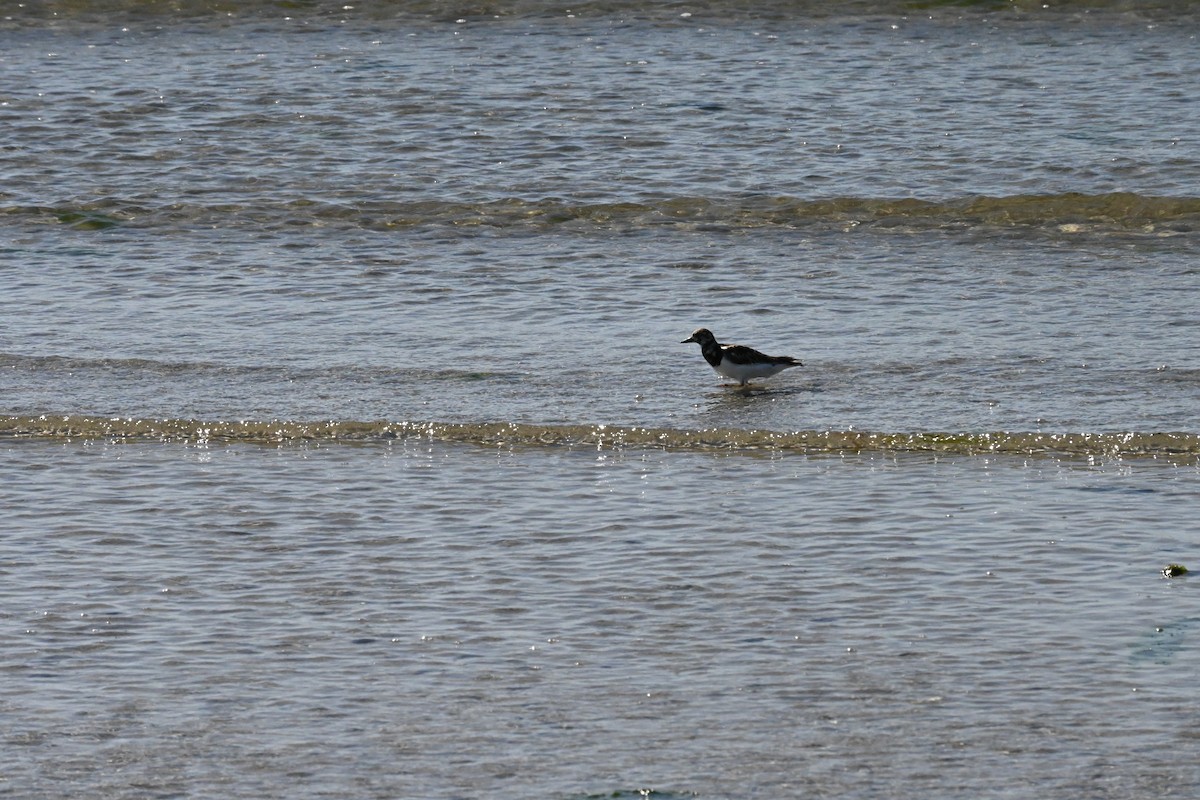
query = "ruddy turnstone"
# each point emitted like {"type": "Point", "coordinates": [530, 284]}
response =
{"type": "Point", "coordinates": [736, 361]}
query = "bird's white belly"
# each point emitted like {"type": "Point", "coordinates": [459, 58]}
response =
{"type": "Point", "coordinates": [744, 372]}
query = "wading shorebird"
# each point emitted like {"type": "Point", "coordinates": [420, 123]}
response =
{"type": "Point", "coordinates": [738, 362]}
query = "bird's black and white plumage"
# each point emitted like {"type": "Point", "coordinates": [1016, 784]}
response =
{"type": "Point", "coordinates": [736, 361]}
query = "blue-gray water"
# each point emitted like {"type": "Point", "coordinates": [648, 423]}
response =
{"type": "Point", "coordinates": [427, 620]}
{"type": "Point", "coordinates": [348, 448]}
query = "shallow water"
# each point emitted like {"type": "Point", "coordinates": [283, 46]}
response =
{"type": "Point", "coordinates": [348, 447]}
{"type": "Point", "coordinates": [518, 219]}
{"type": "Point", "coordinates": [448, 621]}
{"type": "Point", "coordinates": [1030, 336]}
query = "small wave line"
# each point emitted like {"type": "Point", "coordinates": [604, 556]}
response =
{"type": "Point", "coordinates": [603, 437]}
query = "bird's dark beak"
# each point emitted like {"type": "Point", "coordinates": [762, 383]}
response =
{"type": "Point", "coordinates": [690, 339]}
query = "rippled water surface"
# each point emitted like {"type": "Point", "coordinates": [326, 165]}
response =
{"type": "Point", "coordinates": [348, 447]}
{"type": "Point", "coordinates": [923, 333]}
{"type": "Point", "coordinates": [444, 621]}
{"type": "Point", "coordinates": [958, 220]}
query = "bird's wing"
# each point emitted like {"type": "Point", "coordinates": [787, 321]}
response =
{"type": "Point", "coordinates": [740, 354]}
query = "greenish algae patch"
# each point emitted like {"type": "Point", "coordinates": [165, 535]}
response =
{"type": "Point", "coordinates": [88, 220]}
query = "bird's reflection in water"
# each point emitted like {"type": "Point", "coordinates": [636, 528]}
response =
{"type": "Point", "coordinates": [733, 397]}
